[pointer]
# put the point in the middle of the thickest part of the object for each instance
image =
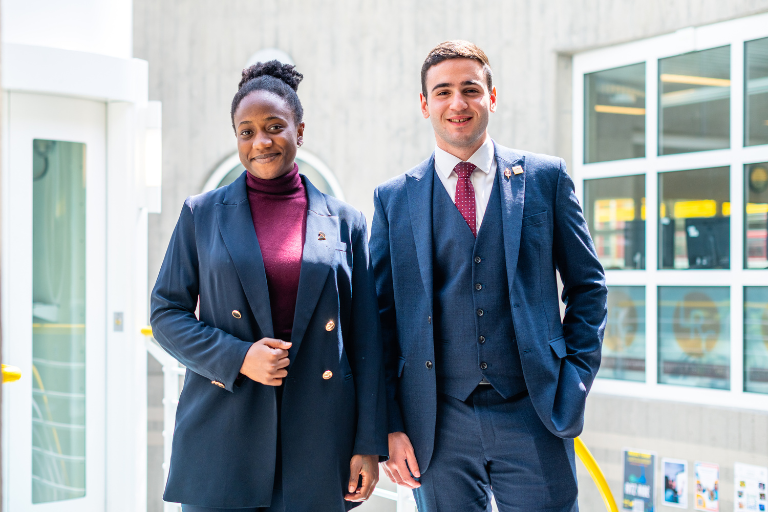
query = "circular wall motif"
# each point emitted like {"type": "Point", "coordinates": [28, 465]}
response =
{"type": "Point", "coordinates": [696, 324]}
{"type": "Point", "coordinates": [622, 321]}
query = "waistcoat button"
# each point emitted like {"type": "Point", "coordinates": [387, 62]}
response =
{"type": "Point", "coordinates": [483, 366]}
{"type": "Point", "coordinates": [481, 339]}
{"type": "Point", "coordinates": [478, 287]}
{"type": "Point", "coordinates": [478, 259]}
{"type": "Point", "coordinates": [480, 312]}
{"type": "Point", "coordinates": [428, 364]}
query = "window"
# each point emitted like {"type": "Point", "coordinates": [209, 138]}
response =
{"type": "Point", "coordinates": [615, 212]}
{"type": "Point", "coordinates": [624, 341]}
{"type": "Point", "coordinates": [756, 339]}
{"type": "Point", "coordinates": [694, 101]}
{"type": "Point", "coordinates": [694, 219]}
{"type": "Point", "coordinates": [615, 116]}
{"type": "Point", "coordinates": [756, 216]}
{"type": "Point", "coordinates": [58, 322]}
{"type": "Point", "coordinates": [756, 93]}
{"type": "Point", "coordinates": [694, 348]}
{"type": "Point", "coordinates": [671, 137]}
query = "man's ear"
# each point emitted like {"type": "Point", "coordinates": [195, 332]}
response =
{"type": "Point", "coordinates": [493, 99]}
{"type": "Point", "coordinates": [424, 106]}
{"type": "Point", "coordinates": [300, 129]}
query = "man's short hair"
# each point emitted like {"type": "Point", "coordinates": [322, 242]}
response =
{"type": "Point", "coordinates": [457, 49]}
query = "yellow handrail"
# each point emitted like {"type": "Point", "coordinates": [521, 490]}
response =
{"type": "Point", "coordinates": [596, 473]}
{"type": "Point", "coordinates": [10, 373]}
{"type": "Point", "coordinates": [581, 451]}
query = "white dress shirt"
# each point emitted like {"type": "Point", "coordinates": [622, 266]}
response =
{"type": "Point", "coordinates": [482, 177]}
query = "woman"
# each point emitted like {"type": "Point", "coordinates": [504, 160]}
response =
{"type": "Point", "coordinates": [283, 405]}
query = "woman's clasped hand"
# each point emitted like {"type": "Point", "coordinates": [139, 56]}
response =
{"type": "Point", "coordinates": [267, 361]}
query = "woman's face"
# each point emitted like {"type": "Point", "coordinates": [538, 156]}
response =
{"type": "Point", "coordinates": [266, 135]}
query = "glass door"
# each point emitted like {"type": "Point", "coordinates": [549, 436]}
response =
{"type": "Point", "coordinates": [54, 303]}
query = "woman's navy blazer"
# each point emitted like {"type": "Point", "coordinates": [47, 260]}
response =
{"type": "Point", "coordinates": [333, 403]}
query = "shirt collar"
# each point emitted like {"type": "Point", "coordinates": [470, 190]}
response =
{"type": "Point", "coordinates": [482, 159]}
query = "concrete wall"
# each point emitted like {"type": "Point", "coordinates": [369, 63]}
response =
{"type": "Point", "coordinates": [361, 62]}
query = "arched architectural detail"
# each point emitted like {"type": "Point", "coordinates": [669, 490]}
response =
{"type": "Point", "coordinates": [230, 163]}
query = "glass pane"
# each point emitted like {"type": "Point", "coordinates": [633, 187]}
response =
{"type": "Point", "coordinates": [756, 216]}
{"type": "Point", "coordinates": [756, 94]}
{"type": "Point", "coordinates": [694, 219]}
{"type": "Point", "coordinates": [304, 168]}
{"type": "Point", "coordinates": [694, 336]}
{"type": "Point", "coordinates": [614, 114]}
{"type": "Point", "coordinates": [695, 101]}
{"type": "Point", "coordinates": [756, 339]}
{"type": "Point", "coordinates": [58, 323]}
{"type": "Point", "coordinates": [615, 211]}
{"type": "Point", "coordinates": [624, 341]}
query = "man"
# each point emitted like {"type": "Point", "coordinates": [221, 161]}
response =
{"type": "Point", "coordinates": [486, 386]}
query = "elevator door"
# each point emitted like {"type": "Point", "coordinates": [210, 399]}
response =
{"type": "Point", "coordinates": [54, 303]}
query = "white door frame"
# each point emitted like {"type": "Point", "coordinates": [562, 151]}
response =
{"type": "Point", "coordinates": [28, 117]}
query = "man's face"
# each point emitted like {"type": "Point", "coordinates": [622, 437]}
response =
{"type": "Point", "coordinates": [458, 103]}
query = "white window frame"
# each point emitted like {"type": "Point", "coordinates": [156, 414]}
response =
{"type": "Point", "coordinates": [733, 33]}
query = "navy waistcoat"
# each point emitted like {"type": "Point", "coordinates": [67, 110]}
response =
{"type": "Point", "coordinates": [474, 336]}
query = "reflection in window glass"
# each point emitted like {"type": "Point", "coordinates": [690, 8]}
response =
{"type": "Point", "coordinates": [756, 96]}
{"type": "Point", "coordinates": [304, 168]}
{"type": "Point", "coordinates": [624, 341]}
{"type": "Point", "coordinates": [756, 339]}
{"type": "Point", "coordinates": [756, 216]}
{"type": "Point", "coordinates": [615, 212]}
{"type": "Point", "coordinates": [614, 114]}
{"type": "Point", "coordinates": [695, 101]}
{"type": "Point", "coordinates": [58, 323]}
{"type": "Point", "coordinates": [694, 219]}
{"type": "Point", "coordinates": [694, 336]}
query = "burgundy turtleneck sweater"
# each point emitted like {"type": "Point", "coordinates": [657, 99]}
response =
{"type": "Point", "coordinates": [279, 212]}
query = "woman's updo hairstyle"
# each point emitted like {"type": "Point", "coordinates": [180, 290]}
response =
{"type": "Point", "coordinates": [275, 77]}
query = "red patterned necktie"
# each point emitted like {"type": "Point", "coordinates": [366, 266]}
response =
{"type": "Point", "coordinates": [465, 194]}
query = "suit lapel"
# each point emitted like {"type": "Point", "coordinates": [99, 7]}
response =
{"type": "Point", "coordinates": [512, 202]}
{"type": "Point", "coordinates": [419, 190]}
{"type": "Point", "coordinates": [316, 261]}
{"type": "Point", "coordinates": [233, 215]}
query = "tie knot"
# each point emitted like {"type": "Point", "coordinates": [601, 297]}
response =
{"type": "Point", "coordinates": [464, 169]}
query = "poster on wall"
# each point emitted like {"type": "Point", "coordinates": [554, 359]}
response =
{"type": "Point", "coordinates": [639, 481]}
{"type": "Point", "coordinates": [749, 483]}
{"type": "Point", "coordinates": [675, 482]}
{"type": "Point", "coordinates": [707, 486]}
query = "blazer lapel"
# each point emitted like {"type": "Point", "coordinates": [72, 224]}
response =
{"type": "Point", "coordinates": [233, 215]}
{"type": "Point", "coordinates": [316, 261]}
{"type": "Point", "coordinates": [419, 190]}
{"type": "Point", "coordinates": [512, 202]}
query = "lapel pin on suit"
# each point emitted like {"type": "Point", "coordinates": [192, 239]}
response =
{"type": "Point", "coordinates": [507, 173]}
{"type": "Point", "coordinates": [517, 169]}
{"type": "Point", "coordinates": [321, 236]}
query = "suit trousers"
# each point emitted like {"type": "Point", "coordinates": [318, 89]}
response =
{"type": "Point", "coordinates": [491, 446]}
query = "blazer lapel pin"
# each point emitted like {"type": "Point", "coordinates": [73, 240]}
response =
{"type": "Point", "coordinates": [517, 169]}
{"type": "Point", "coordinates": [507, 173]}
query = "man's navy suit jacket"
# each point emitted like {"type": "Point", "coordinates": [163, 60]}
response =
{"type": "Point", "coordinates": [543, 230]}
{"type": "Point", "coordinates": [225, 440]}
